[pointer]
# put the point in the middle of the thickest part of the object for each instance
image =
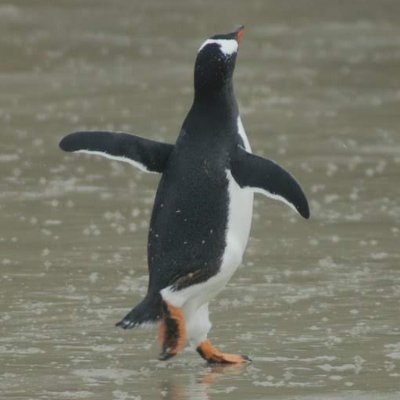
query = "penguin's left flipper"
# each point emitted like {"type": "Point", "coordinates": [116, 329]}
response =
{"type": "Point", "coordinates": [267, 177]}
{"type": "Point", "coordinates": [147, 155]}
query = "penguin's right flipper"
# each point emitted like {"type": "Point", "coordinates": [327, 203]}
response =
{"type": "Point", "coordinates": [147, 155]}
{"type": "Point", "coordinates": [267, 177]}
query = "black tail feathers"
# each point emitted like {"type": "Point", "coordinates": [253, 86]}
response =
{"type": "Point", "coordinates": [149, 310]}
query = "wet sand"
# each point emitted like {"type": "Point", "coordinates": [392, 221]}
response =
{"type": "Point", "coordinates": [315, 304]}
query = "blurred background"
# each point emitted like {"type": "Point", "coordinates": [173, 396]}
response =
{"type": "Point", "coordinates": [316, 303]}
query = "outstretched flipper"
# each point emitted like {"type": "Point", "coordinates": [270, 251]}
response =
{"type": "Point", "coordinates": [267, 177]}
{"type": "Point", "coordinates": [147, 155]}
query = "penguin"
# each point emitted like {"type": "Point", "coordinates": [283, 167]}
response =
{"type": "Point", "coordinates": [202, 213]}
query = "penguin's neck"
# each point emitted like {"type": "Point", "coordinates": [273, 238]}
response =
{"type": "Point", "coordinates": [215, 99]}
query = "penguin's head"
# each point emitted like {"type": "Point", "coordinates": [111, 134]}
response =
{"type": "Point", "coordinates": [216, 60]}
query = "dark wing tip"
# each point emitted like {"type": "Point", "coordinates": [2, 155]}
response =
{"type": "Point", "coordinates": [67, 143]}
{"type": "Point", "coordinates": [305, 212]}
{"type": "Point", "coordinates": [302, 207]}
{"type": "Point", "coordinates": [82, 140]}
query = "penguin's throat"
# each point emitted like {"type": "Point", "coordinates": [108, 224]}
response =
{"type": "Point", "coordinates": [214, 92]}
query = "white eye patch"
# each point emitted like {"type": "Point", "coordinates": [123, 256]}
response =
{"type": "Point", "coordinates": [227, 46]}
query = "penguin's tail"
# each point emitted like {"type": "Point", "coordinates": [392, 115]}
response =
{"type": "Point", "coordinates": [148, 311]}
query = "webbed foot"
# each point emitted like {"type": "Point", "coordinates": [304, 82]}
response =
{"type": "Point", "coordinates": [213, 355]}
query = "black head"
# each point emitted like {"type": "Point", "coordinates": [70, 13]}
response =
{"type": "Point", "coordinates": [215, 62]}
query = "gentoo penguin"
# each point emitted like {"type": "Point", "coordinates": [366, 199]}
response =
{"type": "Point", "coordinates": [202, 211]}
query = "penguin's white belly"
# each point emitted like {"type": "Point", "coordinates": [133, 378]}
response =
{"type": "Point", "coordinates": [238, 226]}
{"type": "Point", "coordinates": [239, 217]}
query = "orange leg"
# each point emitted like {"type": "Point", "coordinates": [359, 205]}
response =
{"type": "Point", "coordinates": [213, 355]}
{"type": "Point", "coordinates": [172, 333]}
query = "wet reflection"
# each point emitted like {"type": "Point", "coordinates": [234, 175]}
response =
{"type": "Point", "coordinates": [199, 386]}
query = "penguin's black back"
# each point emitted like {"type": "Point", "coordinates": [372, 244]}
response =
{"type": "Point", "coordinates": [189, 220]}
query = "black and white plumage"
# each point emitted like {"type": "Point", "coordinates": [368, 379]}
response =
{"type": "Point", "coordinates": [202, 211]}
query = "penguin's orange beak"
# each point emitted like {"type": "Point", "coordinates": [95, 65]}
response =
{"type": "Point", "coordinates": [239, 34]}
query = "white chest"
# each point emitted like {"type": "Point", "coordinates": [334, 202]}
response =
{"type": "Point", "coordinates": [239, 217]}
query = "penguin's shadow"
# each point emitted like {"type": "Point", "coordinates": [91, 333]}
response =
{"type": "Point", "coordinates": [197, 386]}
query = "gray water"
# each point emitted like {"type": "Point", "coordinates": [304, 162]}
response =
{"type": "Point", "coordinates": [316, 303]}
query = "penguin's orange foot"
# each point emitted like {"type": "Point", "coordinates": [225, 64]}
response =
{"type": "Point", "coordinates": [172, 333]}
{"type": "Point", "coordinates": [213, 355]}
